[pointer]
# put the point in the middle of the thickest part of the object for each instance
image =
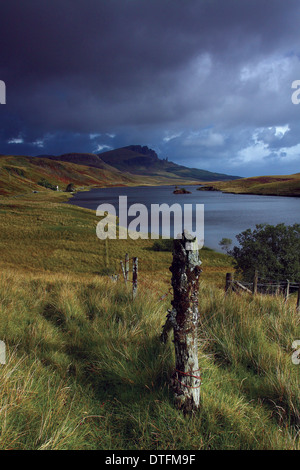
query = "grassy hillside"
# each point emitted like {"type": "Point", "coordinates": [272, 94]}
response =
{"type": "Point", "coordinates": [286, 185]}
{"type": "Point", "coordinates": [86, 159]}
{"type": "Point", "coordinates": [85, 368]}
{"type": "Point", "coordinates": [22, 175]}
{"type": "Point", "coordinates": [19, 175]}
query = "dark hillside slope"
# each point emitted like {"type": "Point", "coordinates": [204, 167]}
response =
{"type": "Point", "coordinates": [139, 160]}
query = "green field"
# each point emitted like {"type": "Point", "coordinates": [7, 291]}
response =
{"type": "Point", "coordinates": [85, 368]}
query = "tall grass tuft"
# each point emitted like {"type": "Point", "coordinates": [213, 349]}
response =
{"type": "Point", "coordinates": [85, 368]}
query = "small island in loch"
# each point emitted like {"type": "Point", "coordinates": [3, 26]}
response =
{"type": "Point", "coordinates": [181, 191]}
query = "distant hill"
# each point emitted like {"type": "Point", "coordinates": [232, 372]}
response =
{"type": "Point", "coordinates": [22, 174]}
{"type": "Point", "coordinates": [87, 159]}
{"type": "Point", "coordinates": [277, 185]}
{"type": "Point", "coordinates": [140, 160]}
{"type": "Point", "coordinates": [127, 166]}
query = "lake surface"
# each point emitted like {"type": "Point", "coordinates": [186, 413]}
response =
{"type": "Point", "coordinates": [225, 215]}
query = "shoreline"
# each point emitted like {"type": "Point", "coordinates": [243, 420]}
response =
{"type": "Point", "coordinates": [249, 193]}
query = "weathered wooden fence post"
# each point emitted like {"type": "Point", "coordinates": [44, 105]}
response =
{"type": "Point", "coordinates": [134, 277]}
{"type": "Point", "coordinates": [123, 271]}
{"type": "Point", "coordinates": [255, 282]}
{"type": "Point", "coordinates": [287, 290]}
{"type": "Point", "coordinates": [298, 300]}
{"type": "Point", "coordinates": [183, 318]}
{"type": "Point", "coordinates": [229, 281]}
{"type": "Point", "coordinates": [127, 267]}
{"type": "Point", "coordinates": [106, 253]}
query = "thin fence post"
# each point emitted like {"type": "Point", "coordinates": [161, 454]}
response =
{"type": "Point", "coordinates": [134, 277]}
{"type": "Point", "coordinates": [183, 317]}
{"type": "Point", "coordinates": [229, 281]}
{"type": "Point", "coordinates": [287, 290]}
{"type": "Point", "coordinates": [127, 267]}
{"type": "Point", "coordinates": [255, 282]}
{"type": "Point", "coordinates": [106, 253]}
{"type": "Point", "coordinates": [298, 300]}
{"type": "Point", "coordinates": [123, 270]}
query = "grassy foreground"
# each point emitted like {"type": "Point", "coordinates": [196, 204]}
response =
{"type": "Point", "coordinates": [85, 368]}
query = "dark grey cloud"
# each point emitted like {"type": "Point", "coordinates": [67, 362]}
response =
{"type": "Point", "coordinates": [205, 82]}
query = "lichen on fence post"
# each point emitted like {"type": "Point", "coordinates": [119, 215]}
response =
{"type": "Point", "coordinates": [183, 317]}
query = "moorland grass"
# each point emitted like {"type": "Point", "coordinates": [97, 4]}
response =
{"type": "Point", "coordinates": [85, 368]}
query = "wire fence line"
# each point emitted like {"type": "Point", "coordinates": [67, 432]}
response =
{"type": "Point", "coordinates": [257, 286]}
{"type": "Point", "coordinates": [271, 287]}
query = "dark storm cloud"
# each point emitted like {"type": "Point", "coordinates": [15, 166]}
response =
{"type": "Point", "coordinates": [193, 79]}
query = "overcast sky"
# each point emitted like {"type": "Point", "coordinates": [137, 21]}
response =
{"type": "Point", "coordinates": [206, 83]}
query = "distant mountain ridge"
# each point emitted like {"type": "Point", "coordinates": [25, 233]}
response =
{"type": "Point", "coordinates": [133, 165]}
{"type": "Point", "coordinates": [138, 160]}
{"type": "Point", "coordinates": [87, 159]}
{"type": "Point", "coordinates": [144, 150]}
